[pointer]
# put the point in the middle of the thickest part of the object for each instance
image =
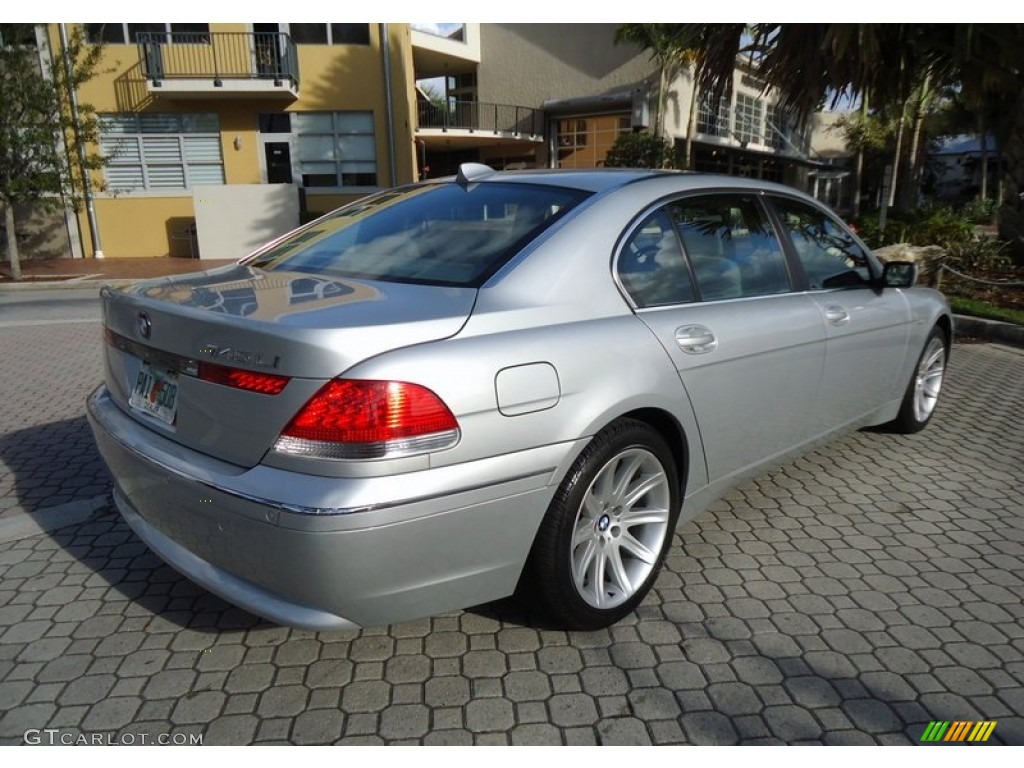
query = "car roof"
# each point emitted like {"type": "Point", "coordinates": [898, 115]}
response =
{"type": "Point", "coordinates": [606, 179]}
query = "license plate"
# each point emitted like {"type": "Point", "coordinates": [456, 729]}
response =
{"type": "Point", "coordinates": [156, 393]}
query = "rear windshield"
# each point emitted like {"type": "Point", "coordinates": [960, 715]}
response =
{"type": "Point", "coordinates": [438, 234]}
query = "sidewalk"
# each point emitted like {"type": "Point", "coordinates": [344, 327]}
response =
{"type": "Point", "coordinates": [71, 273]}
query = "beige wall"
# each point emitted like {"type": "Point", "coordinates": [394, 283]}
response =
{"type": "Point", "coordinates": [526, 64]}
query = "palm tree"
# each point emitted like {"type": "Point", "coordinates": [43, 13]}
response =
{"type": "Point", "coordinates": [657, 39]}
{"type": "Point", "coordinates": [811, 63]}
{"type": "Point", "coordinates": [663, 41]}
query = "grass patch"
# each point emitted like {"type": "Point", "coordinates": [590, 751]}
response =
{"type": "Point", "coordinates": [977, 308]}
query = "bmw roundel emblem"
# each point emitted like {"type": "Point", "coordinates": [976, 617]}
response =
{"type": "Point", "coordinates": [145, 326]}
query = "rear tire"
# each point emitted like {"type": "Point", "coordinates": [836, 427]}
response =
{"type": "Point", "coordinates": [606, 532]}
{"type": "Point", "coordinates": [923, 389]}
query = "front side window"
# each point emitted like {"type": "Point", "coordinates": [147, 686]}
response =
{"type": "Point", "coordinates": [829, 255]}
{"type": "Point", "coordinates": [731, 246]}
{"type": "Point", "coordinates": [161, 151]}
{"type": "Point", "coordinates": [651, 266]}
{"type": "Point", "coordinates": [336, 149]}
{"type": "Point", "coordinates": [434, 234]}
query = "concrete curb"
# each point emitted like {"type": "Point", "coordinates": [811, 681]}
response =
{"type": "Point", "coordinates": [24, 525]}
{"type": "Point", "coordinates": [990, 330]}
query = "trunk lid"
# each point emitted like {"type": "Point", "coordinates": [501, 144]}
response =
{"type": "Point", "coordinates": [309, 328]}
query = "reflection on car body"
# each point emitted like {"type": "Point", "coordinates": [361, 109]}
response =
{"type": "Point", "coordinates": [497, 381]}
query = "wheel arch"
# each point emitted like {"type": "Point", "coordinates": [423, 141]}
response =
{"type": "Point", "coordinates": [672, 431]}
{"type": "Point", "coordinates": [945, 324]}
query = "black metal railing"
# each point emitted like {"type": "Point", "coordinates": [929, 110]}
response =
{"type": "Point", "coordinates": [219, 56]}
{"type": "Point", "coordinates": [480, 116]}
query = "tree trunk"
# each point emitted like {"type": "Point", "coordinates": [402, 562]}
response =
{"type": "Point", "coordinates": [691, 128]}
{"type": "Point", "coordinates": [914, 160]}
{"type": "Point", "coordinates": [984, 156]}
{"type": "Point", "coordinates": [858, 167]}
{"type": "Point", "coordinates": [1010, 138]}
{"type": "Point", "coordinates": [662, 76]}
{"type": "Point", "coordinates": [12, 241]}
{"type": "Point", "coordinates": [896, 159]}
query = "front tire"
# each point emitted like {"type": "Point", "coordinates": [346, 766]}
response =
{"type": "Point", "coordinates": [606, 532]}
{"type": "Point", "coordinates": [924, 386]}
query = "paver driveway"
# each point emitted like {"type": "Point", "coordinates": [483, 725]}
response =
{"type": "Point", "coordinates": [850, 597]}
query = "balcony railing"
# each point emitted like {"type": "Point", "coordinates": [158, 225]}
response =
{"type": "Point", "coordinates": [219, 56]}
{"type": "Point", "coordinates": [478, 116]}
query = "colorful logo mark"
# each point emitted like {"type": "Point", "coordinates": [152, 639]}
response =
{"type": "Point", "coordinates": [958, 730]}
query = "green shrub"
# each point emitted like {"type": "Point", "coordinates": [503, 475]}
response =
{"type": "Point", "coordinates": [931, 224]}
{"type": "Point", "coordinates": [640, 150]}
{"type": "Point", "coordinates": [980, 254]}
{"type": "Point", "coordinates": [980, 211]}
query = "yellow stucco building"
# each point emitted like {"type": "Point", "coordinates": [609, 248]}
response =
{"type": "Point", "coordinates": [192, 114]}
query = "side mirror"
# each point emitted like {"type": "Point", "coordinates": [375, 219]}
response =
{"type": "Point", "coordinates": [899, 274]}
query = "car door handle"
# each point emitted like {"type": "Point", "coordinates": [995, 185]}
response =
{"type": "Point", "coordinates": [696, 339]}
{"type": "Point", "coordinates": [836, 315]}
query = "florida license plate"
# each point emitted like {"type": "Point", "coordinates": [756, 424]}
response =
{"type": "Point", "coordinates": [156, 393]}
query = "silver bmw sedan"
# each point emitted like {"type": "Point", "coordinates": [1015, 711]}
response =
{"type": "Point", "coordinates": [453, 391]}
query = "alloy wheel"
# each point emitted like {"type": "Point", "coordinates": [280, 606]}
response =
{"type": "Point", "coordinates": [620, 528]}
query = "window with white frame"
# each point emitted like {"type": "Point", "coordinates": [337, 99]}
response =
{"type": "Point", "coordinates": [749, 119]}
{"type": "Point", "coordinates": [780, 130]}
{"type": "Point", "coordinates": [161, 151]}
{"type": "Point", "coordinates": [336, 149]}
{"type": "Point", "coordinates": [713, 119]}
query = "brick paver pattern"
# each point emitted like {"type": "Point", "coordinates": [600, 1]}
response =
{"type": "Point", "coordinates": [853, 596]}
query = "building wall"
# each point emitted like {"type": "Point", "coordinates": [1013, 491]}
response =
{"type": "Point", "coordinates": [143, 226]}
{"type": "Point", "coordinates": [527, 64]}
{"type": "Point", "coordinates": [331, 78]}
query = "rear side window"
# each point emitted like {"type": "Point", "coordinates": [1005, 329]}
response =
{"type": "Point", "coordinates": [651, 266]}
{"type": "Point", "coordinates": [828, 253]}
{"type": "Point", "coordinates": [435, 234]}
{"type": "Point", "coordinates": [731, 246]}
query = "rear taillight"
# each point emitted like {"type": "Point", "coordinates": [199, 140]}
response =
{"type": "Point", "coordinates": [356, 419]}
{"type": "Point", "coordinates": [252, 381]}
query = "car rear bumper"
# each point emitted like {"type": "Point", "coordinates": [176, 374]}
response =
{"type": "Point", "coordinates": [329, 553]}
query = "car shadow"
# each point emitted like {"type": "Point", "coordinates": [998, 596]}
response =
{"type": "Point", "coordinates": [56, 467]}
{"type": "Point", "coordinates": [51, 464]}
